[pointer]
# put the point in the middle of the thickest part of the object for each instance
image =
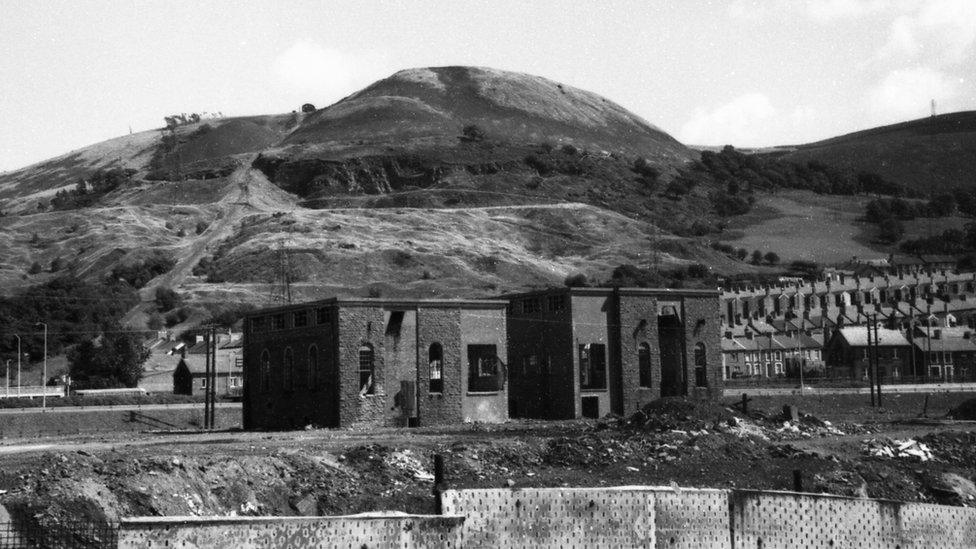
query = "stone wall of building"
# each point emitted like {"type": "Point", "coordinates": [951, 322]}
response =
{"type": "Point", "coordinates": [702, 325]}
{"type": "Point", "coordinates": [441, 326]}
{"type": "Point", "coordinates": [638, 324]}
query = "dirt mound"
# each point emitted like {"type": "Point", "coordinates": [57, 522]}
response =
{"type": "Point", "coordinates": [965, 410]}
{"type": "Point", "coordinates": [681, 413]}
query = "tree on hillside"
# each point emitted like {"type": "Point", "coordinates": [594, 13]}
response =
{"type": "Point", "coordinates": [891, 230]}
{"type": "Point", "coordinates": [771, 257]}
{"type": "Point", "coordinates": [166, 299]}
{"type": "Point", "coordinates": [113, 360]}
{"type": "Point", "coordinates": [757, 257]}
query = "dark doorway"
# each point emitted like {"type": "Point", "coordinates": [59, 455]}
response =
{"type": "Point", "coordinates": [591, 407]}
{"type": "Point", "coordinates": [670, 336]}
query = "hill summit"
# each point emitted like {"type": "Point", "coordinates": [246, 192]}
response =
{"type": "Point", "coordinates": [432, 105]}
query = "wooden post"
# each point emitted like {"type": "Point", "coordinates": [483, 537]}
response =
{"type": "Point", "coordinates": [797, 480]}
{"type": "Point", "coordinates": [745, 403]}
{"type": "Point", "coordinates": [438, 482]}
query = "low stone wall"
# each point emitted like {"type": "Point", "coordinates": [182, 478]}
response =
{"type": "Point", "coordinates": [372, 531]}
{"type": "Point", "coordinates": [33, 422]}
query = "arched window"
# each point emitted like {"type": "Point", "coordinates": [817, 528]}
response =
{"type": "Point", "coordinates": [701, 366]}
{"type": "Point", "coordinates": [367, 381]}
{"type": "Point", "coordinates": [644, 364]}
{"type": "Point", "coordinates": [288, 370]}
{"type": "Point", "coordinates": [312, 367]}
{"type": "Point", "coordinates": [435, 359]}
{"type": "Point", "coordinates": [265, 370]}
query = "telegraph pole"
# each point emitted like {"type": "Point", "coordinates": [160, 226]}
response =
{"type": "Point", "coordinates": [206, 377]}
{"type": "Point", "coordinates": [870, 363]}
{"type": "Point", "coordinates": [877, 356]}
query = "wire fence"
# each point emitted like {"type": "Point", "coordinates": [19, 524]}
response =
{"type": "Point", "coordinates": [63, 535]}
{"type": "Point", "coordinates": [845, 381]}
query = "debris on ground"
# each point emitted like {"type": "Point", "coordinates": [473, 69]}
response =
{"type": "Point", "coordinates": [893, 448]}
{"type": "Point", "coordinates": [964, 411]}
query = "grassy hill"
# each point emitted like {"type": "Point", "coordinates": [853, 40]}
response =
{"type": "Point", "coordinates": [384, 192]}
{"type": "Point", "coordinates": [933, 153]}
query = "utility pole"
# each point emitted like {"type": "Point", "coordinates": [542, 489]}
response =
{"type": "Point", "coordinates": [870, 363]}
{"type": "Point", "coordinates": [212, 386]}
{"type": "Point", "coordinates": [19, 356]}
{"type": "Point", "coordinates": [206, 377]}
{"type": "Point", "coordinates": [44, 380]}
{"type": "Point", "coordinates": [877, 357]}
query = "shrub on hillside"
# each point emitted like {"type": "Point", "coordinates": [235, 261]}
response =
{"type": "Point", "coordinates": [139, 273]}
{"type": "Point", "coordinates": [166, 299]}
{"type": "Point", "coordinates": [472, 133]}
{"type": "Point", "coordinates": [577, 280]}
{"type": "Point", "coordinates": [35, 268]}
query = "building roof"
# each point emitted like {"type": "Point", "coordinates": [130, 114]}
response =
{"type": "Point", "coordinates": [497, 303]}
{"type": "Point", "coordinates": [857, 336]}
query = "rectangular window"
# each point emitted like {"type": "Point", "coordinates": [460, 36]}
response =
{"type": "Point", "coordinates": [644, 364]}
{"type": "Point", "coordinates": [203, 383]}
{"type": "Point", "coordinates": [531, 305]}
{"type": "Point", "coordinates": [322, 316]}
{"type": "Point", "coordinates": [894, 354]}
{"type": "Point", "coordinates": [556, 303]}
{"type": "Point", "coordinates": [234, 382]}
{"type": "Point", "coordinates": [593, 366]}
{"type": "Point", "coordinates": [483, 369]}
{"type": "Point", "coordinates": [300, 319]}
{"type": "Point", "coordinates": [278, 322]}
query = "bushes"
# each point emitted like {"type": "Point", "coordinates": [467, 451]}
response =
{"type": "Point", "coordinates": [166, 299]}
{"type": "Point", "coordinates": [577, 280]}
{"type": "Point", "coordinates": [139, 274]}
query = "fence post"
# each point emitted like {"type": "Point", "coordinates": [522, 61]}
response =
{"type": "Point", "coordinates": [797, 480]}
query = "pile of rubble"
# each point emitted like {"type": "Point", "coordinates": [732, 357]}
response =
{"type": "Point", "coordinates": [893, 448]}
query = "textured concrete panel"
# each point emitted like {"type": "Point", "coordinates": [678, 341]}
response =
{"type": "Point", "coordinates": [359, 531]}
{"type": "Point", "coordinates": [692, 518]}
{"type": "Point", "coordinates": [790, 520]}
{"type": "Point", "coordinates": [568, 518]}
{"type": "Point", "coordinates": [926, 525]}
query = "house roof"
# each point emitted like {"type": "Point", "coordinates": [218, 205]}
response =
{"type": "Point", "coordinates": [857, 336]}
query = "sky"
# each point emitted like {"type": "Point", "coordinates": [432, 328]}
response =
{"type": "Point", "coordinates": [747, 73]}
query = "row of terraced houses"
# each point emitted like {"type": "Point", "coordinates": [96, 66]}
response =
{"type": "Point", "coordinates": [926, 318]}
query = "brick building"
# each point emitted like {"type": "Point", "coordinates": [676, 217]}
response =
{"type": "Point", "coordinates": [375, 362]}
{"type": "Point", "coordinates": [847, 353]}
{"type": "Point", "coordinates": [587, 352]}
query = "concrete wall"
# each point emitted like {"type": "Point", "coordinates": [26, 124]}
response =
{"type": "Point", "coordinates": [291, 532]}
{"type": "Point", "coordinates": [666, 517]}
{"type": "Point", "coordinates": [31, 422]}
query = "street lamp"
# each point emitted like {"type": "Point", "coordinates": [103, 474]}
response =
{"type": "Point", "coordinates": [19, 355]}
{"type": "Point", "coordinates": [44, 379]}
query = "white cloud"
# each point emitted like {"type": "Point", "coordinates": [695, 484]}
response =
{"type": "Point", "coordinates": [905, 94]}
{"type": "Point", "coordinates": [325, 74]}
{"type": "Point", "coordinates": [738, 122]}
{"type": "Point", "coordinates": [938, 32]}
{"type": "Point", "coordinates": [832, 10]}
